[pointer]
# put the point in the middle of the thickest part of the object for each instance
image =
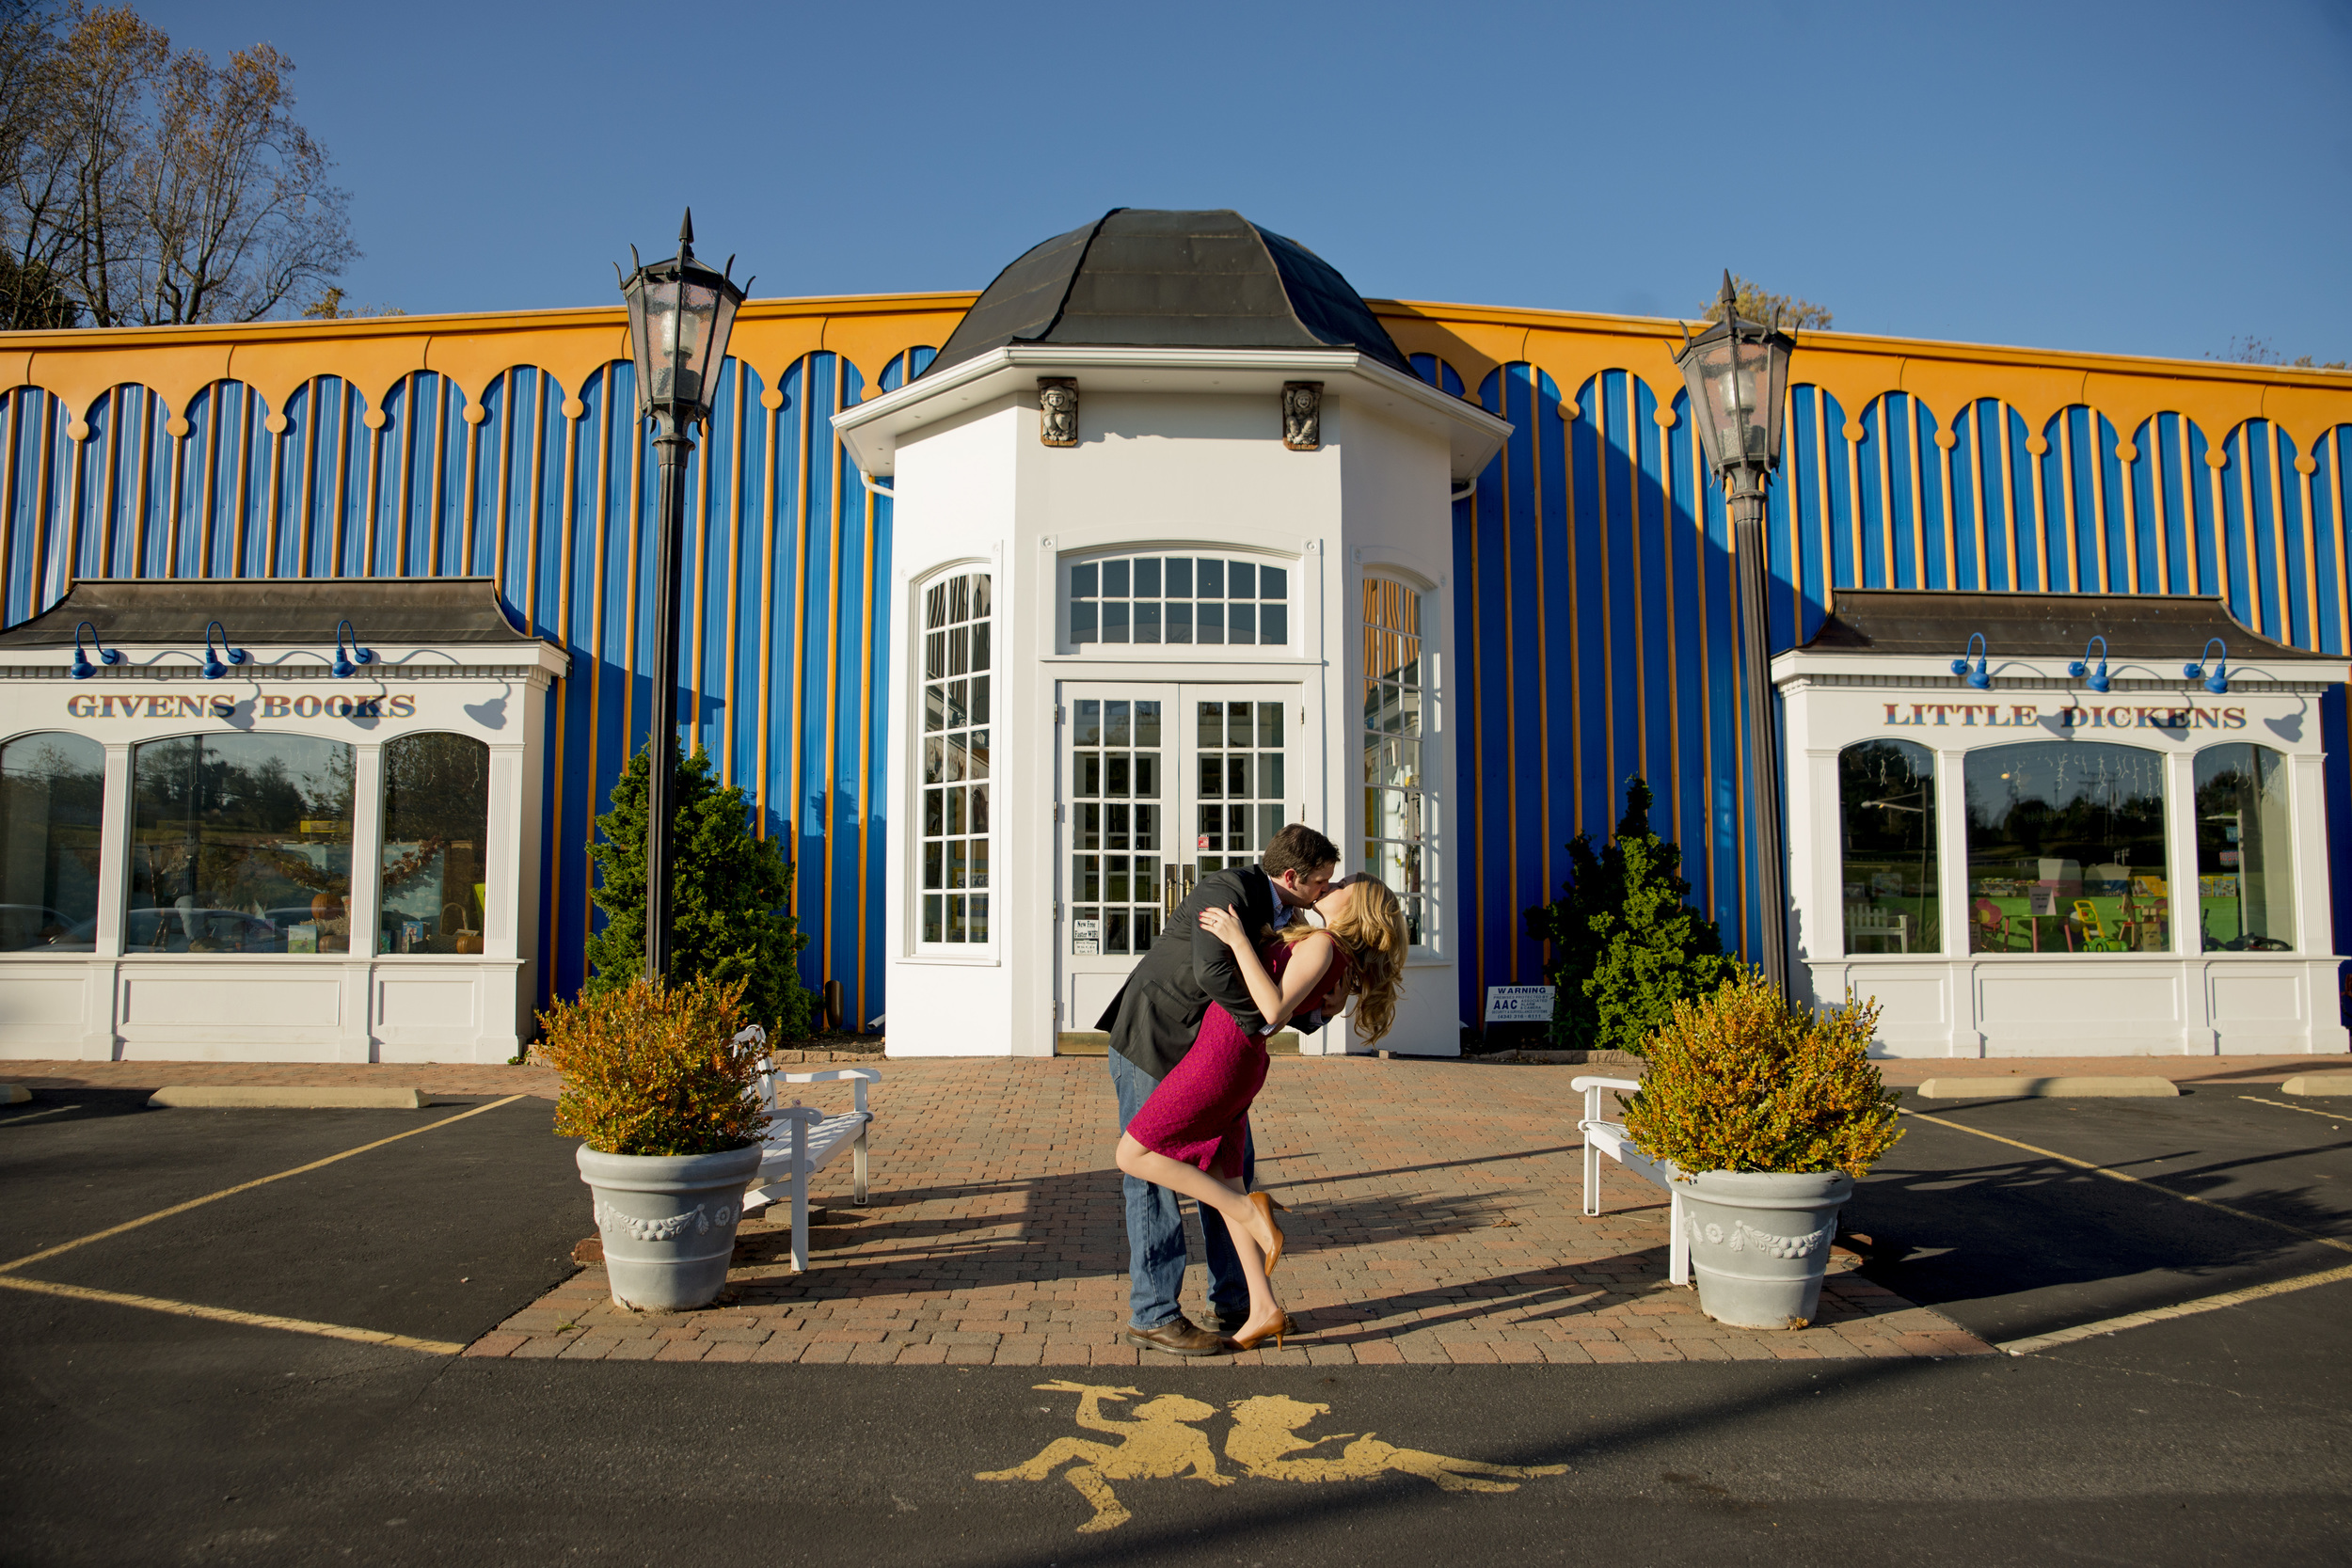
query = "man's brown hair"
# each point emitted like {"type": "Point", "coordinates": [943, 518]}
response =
{"type": "Point", "coordinates": [1298, 847]}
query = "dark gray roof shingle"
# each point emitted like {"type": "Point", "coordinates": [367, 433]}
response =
{"type": "Point", "coordinates": [270, 612]}
{"type": "Point", "coordinates": [1139, 277]}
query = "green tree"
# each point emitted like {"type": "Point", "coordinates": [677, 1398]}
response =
{"type": "Point", "coordinates": [732, 888]}
{"type": "Point", "coordinates": [1755, 304]}
{"type": "Point", "coordinates": [1625, 942]}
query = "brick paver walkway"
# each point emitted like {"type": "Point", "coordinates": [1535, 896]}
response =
{"type": "Point", "coordinates": [1434, 1217]}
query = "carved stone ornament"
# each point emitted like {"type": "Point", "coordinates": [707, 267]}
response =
{"type": "Point", "coordinates": [1302, 415]}
{"type": "Point", "coordinates": [1057, 410]}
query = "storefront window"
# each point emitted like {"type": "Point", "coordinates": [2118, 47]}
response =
{"type": "Point", "coordinates": [1886, 821]}
{"type": "Point", "coordinates": [51, 786]}
{"type": "Point", "coordinates": [437, 824]}
{"type": "Point", "coordinates": [2245, 852]}
{"type": "Point", "coordinates": [240, 843]}
{"type": "Point", "coordinates": [1396, 793]}
{"type": "Point", "coordinates": [1179, 598]}
{"type": "Point", "coordinates": [2066, 849]}
{"type": "Point", "coordinates": [955, 838]}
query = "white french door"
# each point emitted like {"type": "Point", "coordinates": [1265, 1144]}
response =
{"type": "Point", "coordinates": [1159, 782]}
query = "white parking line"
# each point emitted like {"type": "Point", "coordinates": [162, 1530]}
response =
{"type": "Point", "coordinates": [53, 1111]}
{"type": "Point", "coordinates": [2336, 1116]}
{"type": "Point", "coordinates": [2138, 1182]}
{"type": "Point", "coordinates": [244, 1187]}
{"type": "Point", "coordinates": [2164, 1314]}
{"type": "Point", "coordinates": [225, 1315]}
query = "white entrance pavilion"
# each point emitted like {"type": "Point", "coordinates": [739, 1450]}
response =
{"type": "Point", "coordinates": [1171, 544]}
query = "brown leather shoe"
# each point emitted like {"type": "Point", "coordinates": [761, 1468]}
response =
{"type": "Point", "coordinates": [1232, 1325]}
{"type": "Point", "coordinates": [1177, 1337]}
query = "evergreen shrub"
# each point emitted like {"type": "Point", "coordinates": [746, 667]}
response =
{"type": "Point", "coordinates": [729, 911]}
{"type": "Point", "coordinates": [1627, 944]}
{"type": "Point", "coordinates": [653, 1069]}
{"type": "Point", "coordinates": [1746, 1079]}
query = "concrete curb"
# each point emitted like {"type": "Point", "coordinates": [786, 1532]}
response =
{"type": "Point", "coordinates": [231, 1097]}
{"type": "Point", "coordinates": [14, 1094]}
{"type": "Point", "coordinates": [2319, 1082]}
{"type": "Point", "coordinates": [2039, 1088]}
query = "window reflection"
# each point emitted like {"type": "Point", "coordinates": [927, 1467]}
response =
{"type": "Point", "coordinates": [50, 787]}
{"type": "Point", "coordinates": [1887, 810]}
{"type": "Point", "coordinates": [240, 843]}
{"type": "Point", "coordinates": [2066, 849]}
{"type": "Point", "coordinates": [437, 824]}
{"type": "Point", "coordinates": [2245, 851]}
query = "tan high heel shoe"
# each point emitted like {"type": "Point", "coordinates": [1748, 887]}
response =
{"type": "Point", "coordinates": [1252, 1341]}
{"type": "Point", "coordinates": [1270, 1237]}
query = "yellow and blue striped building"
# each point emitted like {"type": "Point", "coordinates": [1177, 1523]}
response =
{"type": "Point", "coordinates": [1597, 627]}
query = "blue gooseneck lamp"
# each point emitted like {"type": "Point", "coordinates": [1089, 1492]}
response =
{"type": "Point", "coordinates": [1979, 677]}
{"type": "Point", "coordinates": [2095, 679]}
{"type": "Point", "coordinates": [347, 664]}
{"type": "Point", "coordinates": [83, 668]}
{"type": "Point", "coordinates": [2216, 679]}
{"type": "Point", "coordinates": [214, 667]}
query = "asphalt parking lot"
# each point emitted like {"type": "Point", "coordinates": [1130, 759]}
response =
{"type": "Point", "coordinates": [133, 1435]}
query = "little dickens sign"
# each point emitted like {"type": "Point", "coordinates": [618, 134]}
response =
{"type": "Point", "coordinates": [340, 705]}
{"type": "Point", "coordinates": [2001, 716]}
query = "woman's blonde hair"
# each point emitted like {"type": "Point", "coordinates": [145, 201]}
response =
{"type": "Point", "coordinates": [1371, 930]}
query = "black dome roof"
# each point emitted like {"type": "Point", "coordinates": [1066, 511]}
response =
{"type": "Point", "coordinates": [1142, 277]}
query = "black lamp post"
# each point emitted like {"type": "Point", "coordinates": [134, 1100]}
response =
{"type": "Point", "coordinates": [1738, 373]}
{"type": "Point", "coordinates": [680, 315]}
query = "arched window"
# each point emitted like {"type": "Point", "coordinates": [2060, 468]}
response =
{"type": "Point", "coordinates": [2245, 851]}
{"type": "Point", "coordinates": [1886, 830]}
{"type": "Point", "coordinates": [1399, 825]}
{"type": "Point", "coordinates": [240, 843]}
{"type": "Point", "coordinates": [953, 847]}
{"type": "Point", "coordinates": [2066, 849]}
{"type": "Point", "coordinates": [51, 789]}
{"type": "Point", "coordinates": [1193, 600]}
{"type": "Point", "coordinates": [437, 829]}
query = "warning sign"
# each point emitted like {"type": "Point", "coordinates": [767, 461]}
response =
{"type": "Point", "coordinates": [1519, 1004]}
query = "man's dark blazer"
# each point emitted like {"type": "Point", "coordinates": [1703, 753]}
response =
{"type": "Point", "coordinates": [1157, 1014]}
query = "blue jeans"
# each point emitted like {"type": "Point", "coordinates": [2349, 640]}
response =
{"type": "Point", "coordinates": [1155, 1229]}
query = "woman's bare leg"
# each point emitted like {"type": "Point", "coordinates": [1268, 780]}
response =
{"type": "Point", "coordinates": [1227, 1198]}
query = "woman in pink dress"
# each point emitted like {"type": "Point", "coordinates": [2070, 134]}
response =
{"type": "Point", "coordinates": [1189, 1134]}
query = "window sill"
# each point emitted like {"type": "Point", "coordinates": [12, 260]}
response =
{"type": "Point", "coordinates": [1882, 959]}
{"type": "Point", "coordinates": [953, 960]}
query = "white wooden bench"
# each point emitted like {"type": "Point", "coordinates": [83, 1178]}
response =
{"type": "Point", "coordinates": [801, 1140]}
{"type": "Point", "coordinates": [1608, 1137]}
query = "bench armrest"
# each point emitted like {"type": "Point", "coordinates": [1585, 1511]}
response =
{"type": "Point", "coordinates": [858, 1077]}
{"type": "Point", "coordinates": [1591, 1088]}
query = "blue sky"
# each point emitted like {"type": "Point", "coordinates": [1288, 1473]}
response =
{"type": "Point", "coordinates": [2146, 179]}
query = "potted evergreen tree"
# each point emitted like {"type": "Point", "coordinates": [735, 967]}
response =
{"type": "Point", "coordinates": [656, 1084]}
{"type": "Point", "coordinates": [1771, 1111]}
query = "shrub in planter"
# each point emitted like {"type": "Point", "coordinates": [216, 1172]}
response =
{"type": "Point", "coordinates": [655, 1085]}
{"type": "Point", "coordinates": [1771, 1111]}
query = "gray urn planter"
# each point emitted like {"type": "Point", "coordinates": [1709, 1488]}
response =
{"type": "Point", "coordinates": [1760, 1243]}
{"type": "Point", "coordinates": [668, 1222]}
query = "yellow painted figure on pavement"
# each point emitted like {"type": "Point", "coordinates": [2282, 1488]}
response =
{"type": "Point", "coordinates": [1157, 1445]}
{"type": "Point", "coordinates": [1162, 1444]}
{"type": "Point", "coordinates": [1265, 1438]}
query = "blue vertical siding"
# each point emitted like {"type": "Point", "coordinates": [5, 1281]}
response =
{"type": "Point", "coordinates": [1597, 632]}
